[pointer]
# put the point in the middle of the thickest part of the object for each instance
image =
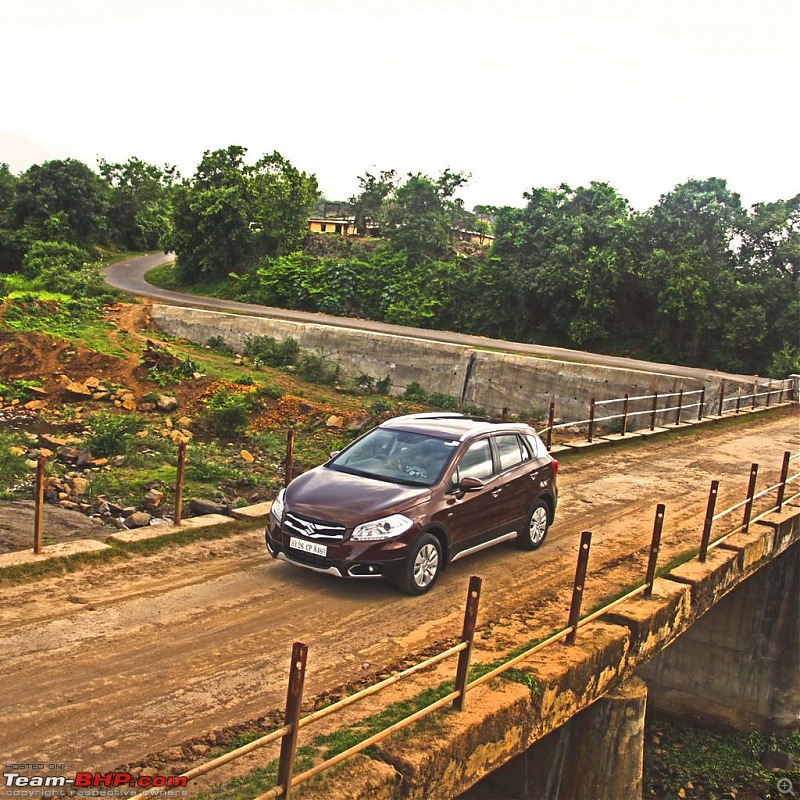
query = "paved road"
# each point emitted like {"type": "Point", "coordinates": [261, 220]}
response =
{"type": "Point", "coordinates": [129, 277]}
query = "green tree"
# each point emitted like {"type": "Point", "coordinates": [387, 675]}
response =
{"type": "Point", "coordinates": [420, 214]}
{"type": "Point", "coordinates": [62, 201]}
{"type": "Point", "coordinates": [230, 215]}
{"type": "Point", "coordinates": [140, 202]}
{"type": "Point", "coordinates": [369, 204]}
{"type": "Point", "coordinates": [690, 271]}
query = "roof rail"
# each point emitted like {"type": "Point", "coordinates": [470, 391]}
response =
{"type": "Point", "coordinates": [429, 415]}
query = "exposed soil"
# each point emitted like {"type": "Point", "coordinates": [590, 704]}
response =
{"type": "Point", "coordinates": [31, 355]}
{"type": "Point", "coordinates": [151, 661]}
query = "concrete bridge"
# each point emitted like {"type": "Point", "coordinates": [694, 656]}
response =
{"type": "Point", "coordinates": [718, 642]}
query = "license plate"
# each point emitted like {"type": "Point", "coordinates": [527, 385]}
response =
{"type": "Point", "coordinates": [308, 547]}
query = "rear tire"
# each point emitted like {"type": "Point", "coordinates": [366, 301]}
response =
{"type": "Point", "coordinates": [423, 565]}
{"type": "Point", "coordinates": [536, 527]}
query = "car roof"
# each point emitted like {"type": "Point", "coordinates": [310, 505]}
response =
{"type": "Point", "coordinates": [451, 425]}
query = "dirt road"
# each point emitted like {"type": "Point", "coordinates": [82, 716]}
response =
{"type": "Point", "coordinates": [105, 666]}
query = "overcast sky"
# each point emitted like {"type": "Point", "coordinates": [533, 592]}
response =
{"type": "Point", "coordinates": [638, 93]}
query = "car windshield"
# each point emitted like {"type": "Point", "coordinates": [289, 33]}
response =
{"type": "Point", "coordinates": [400, 456]}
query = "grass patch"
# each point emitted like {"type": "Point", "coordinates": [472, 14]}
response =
{"type": "Point", "coordinates": [61, 317]}
{"type": "Point", "coordinates": [714, 763]}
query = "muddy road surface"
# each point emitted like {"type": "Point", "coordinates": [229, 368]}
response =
{"type": "Point", "coordinates": [119, 661]}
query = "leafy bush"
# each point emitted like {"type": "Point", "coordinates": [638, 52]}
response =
{"type": "Point", "coordinates": [12, 466]}
{"type": "Point", "coordinates": [415, 392]}
{"type": "Point", "coordinates": [218, 343]}
{"type": "Point", "coordinates": [270, 390]}
{"type": "Point", "coordinates": [380, 406]}
{"type": "Point", "coordinates": [18, 390]}
{"type": "Point", "coordinates": [442, 400]}
{"type": "Point", "coordinates": [111, 434]}
{"type": "Point", "coordinates": [227, 412]}
{"type": "Point", "coordinates": [317, 369]}
{"type": "Point", "coordinates": [268, 351]}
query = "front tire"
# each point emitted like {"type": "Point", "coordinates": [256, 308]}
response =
{"type": "Point", "coordinates": [423, 565]}
{"type": "Point", "coordinates": [535, 530]}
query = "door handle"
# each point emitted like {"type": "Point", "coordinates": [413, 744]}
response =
{"type": "Point", "coordinates": [496, 492]}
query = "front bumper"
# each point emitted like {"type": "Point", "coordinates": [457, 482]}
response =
{"type": "Point", "coordinates": [345, 560]}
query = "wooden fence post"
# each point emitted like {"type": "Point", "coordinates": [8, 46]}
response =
{"type": "Point", "coordinates": [578, 585]}
{"type": "Point", "coordinates": [289, 465]}
{"type": "Point", "coordinates": [294, 699]}
{"type": "Point", "coordinates": [467, 636]}
{"type": "Point", "coordinates": [178, 518]}
{"type": "Point", "coordinates": [39, 506]}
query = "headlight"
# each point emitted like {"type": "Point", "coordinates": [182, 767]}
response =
{"type": "Point", "coordinates": [384, 528]}
{"type": "Point", "coordinates": [278, 505]}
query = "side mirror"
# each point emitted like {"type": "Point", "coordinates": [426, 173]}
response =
{"type": "Point", "coordinates": [470, 484]}
{"type": "Point", "coordinates": [334, 453]}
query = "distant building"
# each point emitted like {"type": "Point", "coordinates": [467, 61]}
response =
{"type": "Point", "coordinates": [343, 226]}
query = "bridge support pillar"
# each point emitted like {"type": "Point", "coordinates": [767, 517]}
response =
{"type": "Point", "coordinates": [739, 664]}
{"type": "Point", "coordinates": [596, 755]}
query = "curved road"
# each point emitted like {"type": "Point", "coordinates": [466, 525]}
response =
{"type": "Point", "coordinates": [128, 276]}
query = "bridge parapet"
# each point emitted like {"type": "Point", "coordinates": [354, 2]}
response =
{"type": "Point", "coordinates": [504, 720]}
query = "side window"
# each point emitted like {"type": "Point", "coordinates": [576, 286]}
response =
{"type": "Point", "coordinates": [475, 463]}
{"type": "Point", "coordinates": [510, 450]}
{"type": "Point", "coordinates": [537, 446]}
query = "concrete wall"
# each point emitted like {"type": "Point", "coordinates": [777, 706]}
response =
{"type": "Point", "coordinates": [492, 380]}
{"type": "Point", "coordinates": [739, 664]}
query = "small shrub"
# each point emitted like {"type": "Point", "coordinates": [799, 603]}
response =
{"type": "Point", "coordinates": [380, 406]}
{"type": "Point", "coordinates": [12, 466]}
{"type": "Point", "coordinates": [111, 434]}
{"type": "Point", "coordinates": [415, 392]}
{"type": "Point", "coordinates": [270, 390]}
{"type": "Point", "coordinates": [383, 385]}
{"type": "Point", "coordinates": [228, 412]}
{"type": "Point", "coordinates": [442, 400]}
{"type": "Point", "coordinates": [317, 369]}
{"type": "Point", "coordinates": [218, 344]}
{"type": "Point", "coordinates": [268, 351]}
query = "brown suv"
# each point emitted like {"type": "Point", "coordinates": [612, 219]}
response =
{"type": "Point", "coordinates": [414, 494]}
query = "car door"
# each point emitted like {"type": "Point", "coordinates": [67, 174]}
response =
{"type": "Point", "coordinates": [471, 517]}
{"type": "Point", "coordinates": [515, 478]}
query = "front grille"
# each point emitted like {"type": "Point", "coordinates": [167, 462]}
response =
{"type": "Point", "coordinates": [313, 529]}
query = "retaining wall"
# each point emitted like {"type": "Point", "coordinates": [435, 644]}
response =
{"type": "Point", "coordinates": [493, 380]}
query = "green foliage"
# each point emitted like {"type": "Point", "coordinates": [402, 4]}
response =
{"type": "Point", "coordinates": [785, 362]}
{"type": "Point", "coordinates": [440, 400]}
{"type": "Point", "coordinates": [227, 412]}
{"type": "Point", "coordinates": [209, 463]}
{"type": "Point", "coordinates": [111, 434]}
{"type": "Point", "coordinates": [718, 762]}
{"type": "Point", "coordinates": [61, 201]}
{"type": "Point", "coordinates": [12, 465]}
{"type": "Point", "coordinates": [268, 351]}
{"type": "Point", "coordinates": [218, 344]}
{"type": "Point", "coordinates": [140, 203]}
{"type": "Point", "coordinates": [61, 316]}
{"type": "Point", "coordinates": [230, 214]}
{"type": "Point", "coordinates": [380, 406]}
{"type": "Point", "coordinates": [18, 390]}
{"type": "Point", "coordinates": [316, 368]}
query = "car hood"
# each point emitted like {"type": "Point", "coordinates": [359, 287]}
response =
{"type": "Point", "coordinates": [331, 496]}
